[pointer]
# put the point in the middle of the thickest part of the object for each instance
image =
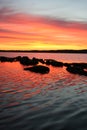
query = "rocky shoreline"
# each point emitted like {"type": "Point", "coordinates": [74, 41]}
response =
{"type": "Point", "coordinates": [74, 68]}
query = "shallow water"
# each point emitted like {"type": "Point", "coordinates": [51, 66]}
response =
{"type": "Point", "coordinates": [30, 101]}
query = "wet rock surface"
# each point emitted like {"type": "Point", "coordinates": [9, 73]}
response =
{"type": "Point", "coordinates": [53, 63]}
{"type": "Point", "coordinates": [26, 61]}
{"type": "Point", "coordinates": [77, 68]}
{"type": "Point", "coordinates": [38, 69]}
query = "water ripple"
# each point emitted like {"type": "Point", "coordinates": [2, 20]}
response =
{"type": "Point", "coordinates": [30, 101]}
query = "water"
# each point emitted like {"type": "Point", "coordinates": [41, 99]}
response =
{"type": "Point", "coordinates": [54, 101]}
{"type": "Point", "coordinates": [63, 57]}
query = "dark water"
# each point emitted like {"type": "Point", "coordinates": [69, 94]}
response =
{"type": "Point", "coordinates": [30, 101]}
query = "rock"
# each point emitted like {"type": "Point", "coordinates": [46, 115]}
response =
{"type": "Point", "coordinates": [82, 65]}
{"type": "Point", "coordinates": [6, 59]}
{"type": "Point", "coordinates": [3, 59]}
{"type": "Point", "coordinates": [26, 61]}
{"type": "Point", "coordinates": [77, 69]}
{"type": "Point", "coordinates": [53, 63]}
{"type": "Point", "coordinates": [18, 58]}
{"type": "Point", "coordinates": [38, 69]}
{"type": "Point", "coordinates": [41, 61]}
{"type": "Point", "coordinates": [34, 61]}
{"type": "Point", "coordinates": [66, 64]}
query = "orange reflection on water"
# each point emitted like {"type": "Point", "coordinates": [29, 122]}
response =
{"type": "Point", "coordinates": [23, 85]}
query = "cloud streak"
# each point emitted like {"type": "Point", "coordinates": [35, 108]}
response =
{"type": "Point", "coordinates": [8, 15]}
{"type": "Point", "coordinates": [46, 31]}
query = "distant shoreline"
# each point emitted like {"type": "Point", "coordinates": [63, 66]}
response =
{"type": "Point", "coordinates": [47, 51]}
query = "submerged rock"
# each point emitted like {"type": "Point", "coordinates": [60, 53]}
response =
{"type": "Point", "coordinates": [38, 69]}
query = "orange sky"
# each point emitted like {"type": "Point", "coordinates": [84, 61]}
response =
{"type": "Point", "coordinates": [30, 32]}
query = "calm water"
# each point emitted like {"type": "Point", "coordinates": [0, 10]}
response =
{"type": "Point", "coordinates": [57, 56]}
{"type": "Point", "coordinates": [54, 101]}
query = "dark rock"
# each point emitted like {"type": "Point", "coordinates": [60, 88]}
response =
{"type": "Point", "coordinates": [34, 61]}
{"type": "Point", "coordinates": [38, 69]}
{"type": "Point", "coordinates": [77, 69]}
{"type": "Point", "coordinates": [26, 61]}
{"type": "Point", "coordinates": [6, 59]}
{"type": "Point", "coordinates": [82, 65]}
{"type": "Point", "coordinates": [41, 61]}
{"type": "Point", "coordinates": [18, 58]}
{"type": "Point", "coordinates": [66, 64]}
{"type": "Point", "coordinates": [53, 63]}
{"type": "Point", "coordinates": [3, 59]}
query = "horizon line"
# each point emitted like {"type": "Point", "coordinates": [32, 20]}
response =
{"type": "Point", "coordinates": [49, 51]}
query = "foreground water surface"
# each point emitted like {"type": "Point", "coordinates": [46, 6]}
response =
{"type": "Point", "coordinates": [53, 101]}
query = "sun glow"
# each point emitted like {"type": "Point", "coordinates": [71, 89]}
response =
{"type": "Point", "coordinates": [35, 33]}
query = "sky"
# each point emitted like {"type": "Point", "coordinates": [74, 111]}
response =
{"type": "Point", "coordinates": [43, 24]}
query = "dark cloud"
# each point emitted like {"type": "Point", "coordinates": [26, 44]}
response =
{"type": "Point", "coordinates": [18, 38]}
{"type": "Point", "coordinates": [10, 32]}
{"type": "Point", "coordinates": [29, 34]}
{"type": "Point", "coordinates": [5, 10]}
{"type": "Point", "coordinates": [16, 32]}
{"type": "Point", "coordinates": [66, 24]}
{"type": "Point", "coordinates": [8, 15]}
{"type": "Point", "coordinates": [5, 37]}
